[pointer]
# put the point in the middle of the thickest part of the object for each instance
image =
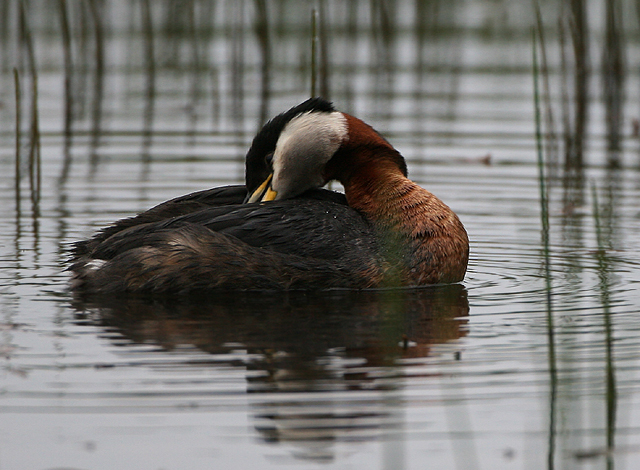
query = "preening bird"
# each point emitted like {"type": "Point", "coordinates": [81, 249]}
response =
{"type": "Point", "coordinates": [281, 231]}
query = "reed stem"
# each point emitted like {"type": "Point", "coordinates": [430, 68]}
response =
{"type": "Point", "coordinates": [35, 165]}
{"type": "Point", "coordinates": [603, 269]}
{"type": "Point", "coordinates": [544, 215]}
{"type": "Point", "coordinates": [314, 52]}
{"type": "Point", "coordinates": [18, 176]}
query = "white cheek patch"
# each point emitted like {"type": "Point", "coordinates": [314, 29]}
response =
{"type": "Point", "coordinates": [317, 127]}
{"type": "Point", "coordinates": [304, 147]}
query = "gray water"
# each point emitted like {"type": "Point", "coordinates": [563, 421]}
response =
{"type": "Point", "coordinates": [519, 367]}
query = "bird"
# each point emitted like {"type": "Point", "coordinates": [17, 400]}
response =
{"type": "Point", "coordinates": [282, 230]}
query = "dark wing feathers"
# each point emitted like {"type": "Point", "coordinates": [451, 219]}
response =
{"type": "Point", "coordinates": [317, 224]}
{"type": "Point", "coordinates": [222, 196]}
{"type": "Point", "coordinates": [304, 227]}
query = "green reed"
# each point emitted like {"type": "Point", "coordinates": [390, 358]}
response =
{"type": "Point", "coordinates": [603, 275]}
{"type": "Point", "coordinates": [150, 76]}
{"type": "Point", "coordinates": [551, 139]}
{"type": "Point", "coordinates": [262, 30]}
{"type": "Point", "coordinates": [613, 68]}
{"type": "Point", "coordinates": [16, 79]}
{"type": "Point", "coordinates": [35, 165]}
{"type": "Point", "coordinates": [314, 52]}
{"type": "Point", "coordinates": [97, 20]}
{"type": "Point", "coordinates": [542, 185]}
{"type": "Point", "coordinates": [544, 216]}
{"type": "Point", "coordinates": [35, 161]}
{"type": "Point", "coordinates": [65, 31]}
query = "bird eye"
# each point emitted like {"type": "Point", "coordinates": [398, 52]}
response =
{"type": "Point", "coordinates": [269, 159]}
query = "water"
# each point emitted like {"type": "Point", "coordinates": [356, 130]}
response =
{"type": "Point", "coordinates": [489, 374]}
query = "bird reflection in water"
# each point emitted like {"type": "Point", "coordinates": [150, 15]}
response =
{"type": "Point", "coordinates": [339, 353]}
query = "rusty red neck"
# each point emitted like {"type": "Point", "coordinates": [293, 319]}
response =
{"type": "Point", "coordinates": [372, 172]}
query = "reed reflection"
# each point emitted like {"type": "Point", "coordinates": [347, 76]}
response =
{"type": "Point", "coordinates": [97, 13]}
{"type": "Point", "coordinates": [339, 341]}
{"type": "Point", "coordinates": [34, 161]}
{"type": "Point", "coordinates": [264, 44]}
{"type": "Point", "coordinates": [65, 31]}
{"type": "Point", "coordinates": [385, 71]}
{"type": "Point", "coordinates": [613, 84]}
{"type": "Point", "coordinates": [574, 64]}
{"type": "Point", "coordinates": [575, 123]}
{"type": "Point", "coordinates": [604, 273]}
{"type": "Point", "coordinates": [237, 73]}
{"type": "Point", "coordinates": [613, 80]}
{"type": "Point", "coordinates": [150, 85]}
{"type": "Point", "coordinates": [576, 103]}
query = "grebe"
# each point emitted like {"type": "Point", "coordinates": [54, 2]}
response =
{"type": "Point", "coordinates": [281, 231]}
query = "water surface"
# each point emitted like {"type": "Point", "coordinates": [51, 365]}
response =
{"type": "Point", "coordinates": [148, 101]}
